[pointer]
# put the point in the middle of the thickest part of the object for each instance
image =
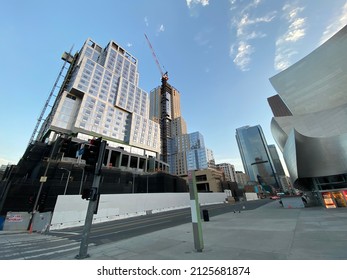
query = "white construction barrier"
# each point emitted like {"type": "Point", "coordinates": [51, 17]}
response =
{"type": "Point", "coordinates": [70, 210]}
{"type": "Point", "coordinates": [251, 196]}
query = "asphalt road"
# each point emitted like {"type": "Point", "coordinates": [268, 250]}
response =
{"type": "Point", "coordinates": [103, 233]}
{"type": "Point", "coordinates": [36, 246]}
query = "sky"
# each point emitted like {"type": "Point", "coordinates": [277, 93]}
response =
{"type": "Point", "coordinates": [219, 54]}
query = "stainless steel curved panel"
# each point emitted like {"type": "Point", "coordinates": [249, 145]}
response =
{"type": "Point", "coordinates": [308, 157]}
{"type": "Point", "coordinates": [278, 134]}
{"type": "Point", "coordinates": [289, 154]}
{"type": "Point", "coordinates": [314, 139]}
{"type": "Point", "coordinates": [318, 81]}
{"type": "Point", "coordinates": [321, 156]}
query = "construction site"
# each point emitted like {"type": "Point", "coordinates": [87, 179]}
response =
{"type": "Point", "coordinates": [58, 159]}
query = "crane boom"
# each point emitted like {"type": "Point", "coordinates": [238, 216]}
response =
{"type": "Point", "coordinates": [163, 75]}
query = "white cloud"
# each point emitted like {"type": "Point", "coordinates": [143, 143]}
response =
{"type": "Point", "coordinates": [160, 29]}
{"type": "Point", "coordinates": [336, 25]}
{"type": "Point", "coordinates": [296, 31]}
{"type": "Point", "coordinates": [232, 50]}
{"type": "Point", "coordinates": [146, 21]}
{"type": "Point", "coordinates": [5, 161]}
{"type": "Point", "coordinates": [129, 45]}
{"type": "Point", "coordinates": [243, 56]}
{"type": "Point", "coordinates": [283, 58]}
{"type": "Point", "coordinates": [255, 35]}
{"type": "Point", "coordinates": [191, 3]}
{"type": "Point", "coordinates": [252, 5]}
{"type": "Point", "coordinates": [233, 5]}
{"type": "Point", "coordinates": [247, 30]}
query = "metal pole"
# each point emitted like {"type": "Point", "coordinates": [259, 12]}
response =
{"type": "Point", "coordinates": [81, 184]}
{"type": "Point", "coordinates": [83, 253]}
{"type": "Point", "coordinates": [147, 183]}
{"type": "Point", "coordinates": [195, 210]}
{"type": "Point", "coordinates": [67, 180]}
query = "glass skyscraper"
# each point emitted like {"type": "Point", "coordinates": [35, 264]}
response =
{"type": "Point", "coordinates": [255, 155]}
{"type": "Point", "coordinates": [189, 153]}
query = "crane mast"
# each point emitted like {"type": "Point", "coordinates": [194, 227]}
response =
{"type": "Point", "coordinates": [165, 120]}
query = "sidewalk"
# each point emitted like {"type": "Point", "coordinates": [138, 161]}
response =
{"type": "Point", "coordinates": [267, 233]}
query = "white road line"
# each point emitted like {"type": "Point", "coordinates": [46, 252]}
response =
{"type": "Point", "coordinates": [66, 232]}
{"type": "Point", "coordinates": [18, 251]}
{"type": "Point", "coordinates": [142, 221]}
{"type": "Point", "coordinates": [51, 253]}
{"type": "Point", "coordinates": [24, 243]}
{"type": "Point", "coordinates": [101, 235]}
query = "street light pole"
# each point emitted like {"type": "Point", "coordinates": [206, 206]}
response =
{"type": "Point", "coordinates": [92, 205]}
{"type": "Point", "coordinates": [82, 178]}
{"type": "Point", "coordinates": [147, 182]}
{"type": "Point", "coordinates": [67, 180]}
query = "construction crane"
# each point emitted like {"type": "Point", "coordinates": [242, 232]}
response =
{"type": "Point", "coordinates": [163, 75]}
{"type": "Point", "coordinates": [165, 119]}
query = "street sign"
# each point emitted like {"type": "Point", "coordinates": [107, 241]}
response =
{"type": "Point", "coordinates": [43, 179]}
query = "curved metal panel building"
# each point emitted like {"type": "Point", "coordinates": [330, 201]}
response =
{"type": "Point", "coordinates": [312, 134]}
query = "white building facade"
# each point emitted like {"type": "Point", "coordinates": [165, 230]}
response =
{"type": "Point", "coordinates": [229, 171]}
{"type": "Point", "coordinates": [102, 98]}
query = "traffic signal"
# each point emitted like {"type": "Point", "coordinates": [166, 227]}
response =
{"type": "Point", "coordinates": [65, 146]}
{"type": "Point", "coordinates": [90, 194]}
{"type": "Point", "coordinates": [92, 151]}
{"type": "Point", "coordinates": [42, 201]}
{"type": "Point", "coordinates": [86, 193]}
{"type": "Point", "coordinates": [31, 200]}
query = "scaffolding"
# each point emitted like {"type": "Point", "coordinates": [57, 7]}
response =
{"type": "Point", "coordinates": [68, 58]}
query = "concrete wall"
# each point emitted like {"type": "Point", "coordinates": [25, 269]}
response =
{"type": "Point", "coordinates": [16, 221]}
{"type": "Point", "coordinates": [292, 202]}
{"type": "Point", "coordinates": [70, 210]}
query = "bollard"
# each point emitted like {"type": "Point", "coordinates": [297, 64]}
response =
{"type": "Point", "coordinates": [205, 215]}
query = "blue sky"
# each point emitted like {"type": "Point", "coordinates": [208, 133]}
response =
{"type": "Point", "coordinates": [219, 54]}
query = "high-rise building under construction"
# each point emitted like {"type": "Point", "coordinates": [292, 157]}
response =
{"type": "Point", "coordinates": [101, 97]}
{"type": "Point", "coordinates": [171, 121]}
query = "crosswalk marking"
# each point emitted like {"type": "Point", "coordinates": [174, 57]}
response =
{"type": "Point", "coordinates": [35, 246]}
{"type": "Point", "coordinates": [52, 253]}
